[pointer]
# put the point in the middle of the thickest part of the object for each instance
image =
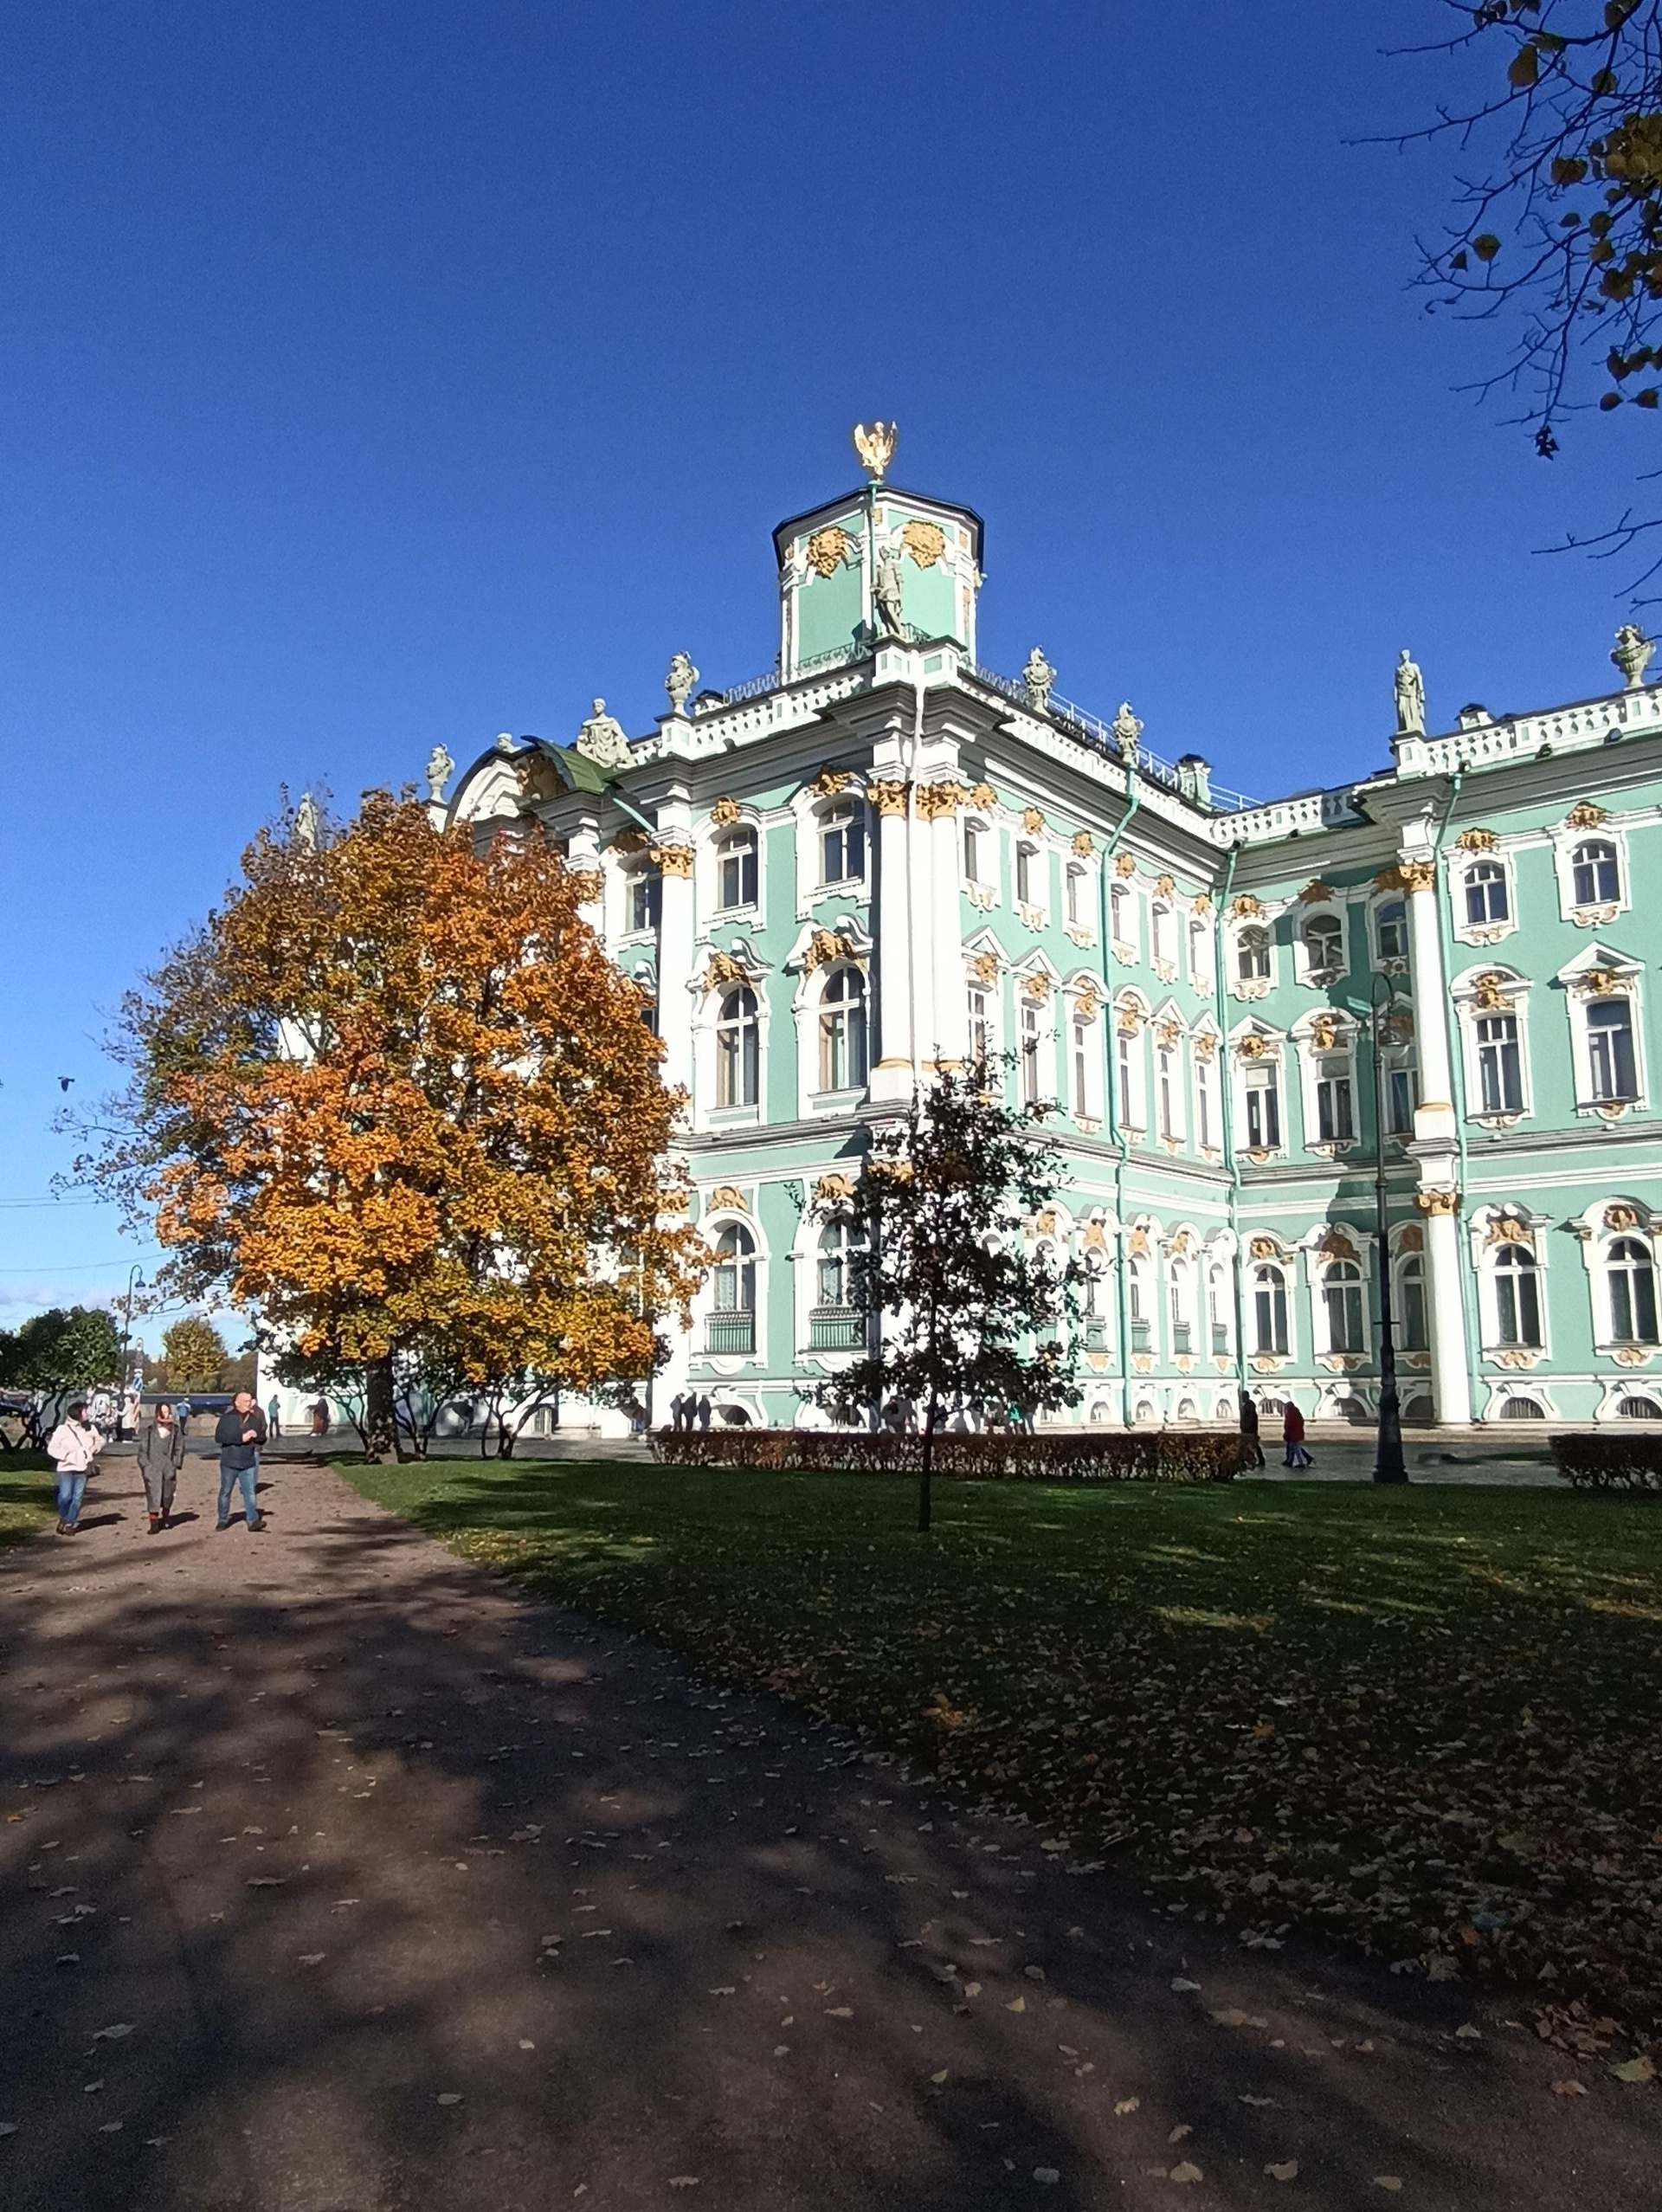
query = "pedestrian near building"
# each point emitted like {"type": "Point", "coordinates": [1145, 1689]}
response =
{"type": "Point", "coordinates": [161, 1453]}
{"type": "Point", "coordinates": [239, 1435]}
{"type": "Point", "coordinates": [275, 1416]}
{"type": "Point", "coordinates": [320, 1418]}
{"type": "Point", "coordinates": [72, 1446]}
{"type": "Point", "coordinates": [1252, 1444]}
{"type": "Point", "coordinates": [1293, 1436]}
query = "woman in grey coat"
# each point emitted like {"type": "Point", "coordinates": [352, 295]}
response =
{"type": "Point", "coordinates": [161, 1450]}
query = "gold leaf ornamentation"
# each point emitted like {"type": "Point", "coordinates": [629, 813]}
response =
{"type": "Point", "coordinates": [830, 781]}
{"type": "Point", "coordinates": [1263, 1248]}
{"type": "Point", "coordinates": [832, 1188]}
{"type": "Point", "coordinates": [1417, 875]}
{"type": "Point", "coordinates": [724, 810]}
{"type": "Point", "coordinates": [1164, 886]}
{"type": "Point", "coordinates": [1124, 865]}
{"type": "Point", "coordinates": [1032, 821]}
{"type": "Point", "coordinates": [1245, 903]}
{"type": "Point", "coordinates": [828, 548]}
{"type": "Point", "coordinates": [924, 541]}
{"type": "Point", "coordinates": [937, 799]}
{"type": "Point", "coordinates": [673, 860]}
{"type": "Point", "coordinates": [1438, 1202]}
{"type": "Point", "coordinates": [1084, 843]}
{"type": "Point", "coordinates": [1477, 841]}
{"type": "Point", "coordinates": [1618, 1218]}
{"type": "Point", "coordinates": [1036, 985]}
{"type": "Point", "coordinates": [888, 798]}
{"type": "Point", "coordinates": [984, 796]}
{"type": "Point", "coordinates": [984, 967]}
{"type": "Point", "coordinates": [1585, 816]}
{"type": "Point", "coordinates": [728, 1198]}
{"type": "Point", "coordinates": [723, 970]}
{"type": "Point", "coordinates": [1489, 993]}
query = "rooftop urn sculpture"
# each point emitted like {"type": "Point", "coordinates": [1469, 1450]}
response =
{"type": "Point", "coordinates": [1410, 698]}
{"type": "Point", "coordinates": [1631, 655]}
{"type": "Point", "coordinates": [440, 769]}
{"type": "Point", "coordinates": [680, 680]}
{"type": "Point", "coordinates": [1038, 676]}
{"type": "Point", "coordinates": [602, 739]}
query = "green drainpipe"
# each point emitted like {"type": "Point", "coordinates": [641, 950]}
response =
{"type": "Point", "coordinates": [1226, 1110]}
{"type": "Point", "coordinates": [1116, 1135]}
{"type": "Point", "coordinates": [1456, 1064]}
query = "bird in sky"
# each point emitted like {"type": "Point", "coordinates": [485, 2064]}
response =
{"type": "Point", "coordinates": [64, 1081]}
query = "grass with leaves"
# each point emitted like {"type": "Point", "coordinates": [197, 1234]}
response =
{"type": "Point", "coordinates": [1421, 1720]}
{"type": "Point", "coordinates": [25, 1494]}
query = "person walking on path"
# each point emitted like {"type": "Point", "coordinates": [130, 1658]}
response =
{"type": "Point", "coordinates": [320, 1418]}
{"type": "Point", "coordinates": [1293, 1436]}
{"type": "Point", "coordinates": [161, 1450]}
{"type": "Point", "coordinates": [1251, 1444]}
{"type": "Point", "coordinates": [239, 1435]}
{"type": "Point", "coordinates": [275, 1416]}
{"type": "Point", "coordinates": [72, 1448]}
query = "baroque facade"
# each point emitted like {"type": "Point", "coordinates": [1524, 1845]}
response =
{"type": "Point", "coordinates": [882, 856]}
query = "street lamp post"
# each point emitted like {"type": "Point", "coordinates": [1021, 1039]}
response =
{"type": "Point", "coordinates": [1388, 1456]}
{"type": "Point", "coordinates": [135, 1282]}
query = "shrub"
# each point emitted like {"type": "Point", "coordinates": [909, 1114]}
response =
{"type": "Point", "coordinates": [1611, 1459]}
{"type": "Point", "coordinates": [1135, 1455]}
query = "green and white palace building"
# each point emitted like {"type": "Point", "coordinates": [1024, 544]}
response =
{"type": "Point", "coordinates": [882, 857]}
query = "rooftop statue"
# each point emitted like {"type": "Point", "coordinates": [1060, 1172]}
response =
{"type": "Point", "coordinates": [602, 739]}
{"type": "Point", "coordinates": [680, 680]}
{"type": "Point", "coordinates": [1038, 675]}
{"type": "Point", "coordinates": [307, 821]}
{"type": "Point", "coordinates": [439, 770]}
{"type": "Point", "coordinates": [1127, 730]}
{"type": "Point", "coordinates": [1410, 698]}
{"type": "Point", "coordinates": [876, 448]}
{"type": "Point", "coordinates": [886, 593]}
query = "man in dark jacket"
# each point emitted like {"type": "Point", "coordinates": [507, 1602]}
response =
{"type": "Point", "coordinates": [241, 1432]}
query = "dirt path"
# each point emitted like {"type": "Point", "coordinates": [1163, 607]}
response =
{"type": "Point", "coordinates": [334, 1878]}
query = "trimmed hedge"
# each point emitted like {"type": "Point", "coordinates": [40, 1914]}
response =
{"type": "Point", "coordinates": [1154, 1455]}
{"type": "Point", "coordinates": [1611, 1459]}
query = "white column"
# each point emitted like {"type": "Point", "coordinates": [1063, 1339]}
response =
{"type": "Point", "coordinates": [950, 1038]}
{"type": "Point", "coordinates": [582, 854]}
{"type": "Point", "coordinates": [1435, 1147]}
{"type": "Point", "coordinates": [892, 1076]}
{"type": "Point", "coordinates": [673, 857]}
{"type": "Point", "coordinates": [920, 850]}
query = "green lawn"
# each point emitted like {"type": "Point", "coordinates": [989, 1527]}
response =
{"type": "Point", "coordinates": [1425, 1720]}
{"type": "Point", "coordinates": [25, 1494]}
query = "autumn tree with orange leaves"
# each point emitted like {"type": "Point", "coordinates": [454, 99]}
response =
{"type": "Point", "coordinates": [394, 1098]}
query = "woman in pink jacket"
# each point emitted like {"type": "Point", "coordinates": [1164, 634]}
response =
{"type": "Point", "coordinates": [72, 1448]}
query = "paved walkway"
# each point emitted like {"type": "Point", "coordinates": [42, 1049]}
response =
{"type": "Point", "coordinates": [333, 1878]}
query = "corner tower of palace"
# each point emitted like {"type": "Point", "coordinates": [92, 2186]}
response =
{"type": "Point", "coordinates": [881, 856]}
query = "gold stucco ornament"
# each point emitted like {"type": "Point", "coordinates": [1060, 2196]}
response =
{"type": "Point", "coordinates": [827, 549]}
{"type": "Point", "coordinates": [924, 541]}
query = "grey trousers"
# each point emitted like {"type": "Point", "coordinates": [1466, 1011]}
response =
{"type": "Point", "coordinates": [159, 1486]}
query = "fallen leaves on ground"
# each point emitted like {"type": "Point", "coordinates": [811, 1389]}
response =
{"type": "Point", "coordinates": [1416, 1720]}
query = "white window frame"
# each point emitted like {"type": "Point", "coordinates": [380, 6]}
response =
{"type": "Point", "coordinates": [1272, 1062]}
{"type": "Point", "coordinates": [1122, 909]}
{"type": "Point", "coordinates": [1256, 1348]}
{"type": "Point", "coordinates": [1032, 849]}
{"type": "Point", "coordinates": [1327, 1277]}
{"type": "Point", "coordinates": [1486, 1257]}
{"type": "Point", "coordinates": [810, 808]}
{"type": "Point", "coordinates": [720, 835]}
{"type": "Point", "coordinates": [1462, 867]}
{"type": "Point", "coordinates": [841, 1093]}
{"type": "Point", "coordinates": [1389, 963]}
{"type": "Point", "coordinates": [1581, 1005]}
{"type": "Point", "coordinates": [1197, 938]}
{"type": "Point", "coordinates": [711, 1228]}
{"type": "Point", "coordinates": [1308, 973]}
{"type": "Point", "coordinates": [1591, 914]}
{"type": "Point", "coordinates": [1515, 989]}
{"type": "Point", "coordinates": [1084, 1057]}
{"type": "Point", "coordinates": [1131, 1023]}
{"type": "Point", "coordinates": [1242, 986]}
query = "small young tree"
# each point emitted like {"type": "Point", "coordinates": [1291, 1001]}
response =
{"type": "Point", "coordinates": [51, 1354]}
{"type": "Point", "coordinates": [193, 1352]}
{"type": "Point", "coordinates": [969, 1310]}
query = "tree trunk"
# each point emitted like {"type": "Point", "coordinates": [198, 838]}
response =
{"type": "Point", "coordinates": [380, 1417]}
{"type": "Point", "coordinates": [924, 1499]}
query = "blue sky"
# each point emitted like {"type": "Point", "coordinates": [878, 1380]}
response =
{"type": "Point", "coordinates": [373, 375]}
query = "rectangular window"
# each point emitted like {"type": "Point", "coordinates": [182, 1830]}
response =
{"type": "Point", "coordinates": [1263, 1112]}
{"type": "Point", "coordinates": [1082, 1071]}
{"type": "Point", "coordinates": [1204, 1103]}
{"type": "Point", "coordinates": [1075, 897]}
{"type": "Point", "coordinates": [1500, 1076]}
{"type": "Point", "coordinates": [981, 1035]}
{"type": "Point", "coordinates": [842, 843]}
{"type": "Point", "coordinates": [1119, 915]}
{"type": "Point", "coordinates": [1025, 872]}
{"type": "Point", "coordinates": [1128, 1113]}
{"type": "Point", "coordinates": [1402, 1096]}
{"type": "Point", "coordinates": [1517, 1300]}
{"type": "Point", "coordinates": [735, 886]}
{"type": "Point", "coordinates": [646, 901]}
{"type": "Point", "coordinates": [1197, 952]}
{"type": "Point", "coordinates": [1610, 1051]}
{"type": "Point", "coordinates": [1031, 1091]}
{"type": "Point", "coordinates": [972, 852]}
{"type": "Point", "coordinates": [1334, 1123]}
{"type": "Point", "coordinates": [1163, 1060]}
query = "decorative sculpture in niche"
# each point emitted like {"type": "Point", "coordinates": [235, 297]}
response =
{"type": "Point", "coordinates": [1037, 677]}
{"type": "Point", "coordinates": [1410, 697]}
{"type": "Point", "coordinates": [679, 680]}
{"type": "Point", "coordinates": [602, 739]}
{"type": "Point", "coordinates": [1631, 655]}
{"type": "Point", "coordinates": [885, 593]}
{"type": "Point", "coordinates": [440, 769]}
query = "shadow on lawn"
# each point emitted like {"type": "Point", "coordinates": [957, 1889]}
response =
{"type": "Point", "coordinates": [180, 1749]}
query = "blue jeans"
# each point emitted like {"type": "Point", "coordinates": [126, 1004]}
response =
{"type": "Point", "coordinates": [72, 1488]}
{"type": "Point", "coordinates": [229, 1477]}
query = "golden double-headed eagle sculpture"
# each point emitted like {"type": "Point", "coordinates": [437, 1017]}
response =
{"type": "Point", "coordinates": [876, 446]}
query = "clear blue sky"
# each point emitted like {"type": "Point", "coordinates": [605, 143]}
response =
{"type": "Point", "coordinates": [373, 374]}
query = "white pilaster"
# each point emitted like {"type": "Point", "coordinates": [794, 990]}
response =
{"type": "Point", "coordinates": [949, 1040]}
{"type": "Point", "coordinates": [582, 854]}
{"type": "Point", "coordinates": [892, 1073]}
{"type": "Point", "coordinates": [1451, 1381]}
{"type": "Point", "coordinates": [1435, 1147]}
{"type": "Point", "coordinates": [673, 856]}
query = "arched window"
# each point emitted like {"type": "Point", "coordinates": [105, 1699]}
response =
{"type": "Point", "coordinates": [1597, 878]}
{"type": "Point", "coordinates": [1342, 1298]}
{"type": "Point", "coordinates": [1518, 1296]}
{"type": "Point", "coordinates": [1094, 1302]}
{"type": "Point", "coordinates": [1485, 894]}
{"type": "Point", "coordinates": [1270, 1309]}
{"type": "Point", "coordinates": [1217, 1311]}
{"type": "Point", "coordinates": [1136, 1305]}
{"type": "Point", "coordinates": [1324, 945]}
{"type": "Point", "coordinates": [1177, 1289]}
{"type": "Point", "coordinates": [1630, 1274]}
{"type": "Point", "coordinates": [1391, 930]}
{"type": "Point", "coordinates": [1610, 1050]}
{"type": "Point", "coordinates": [1032, 1032]}
{"type": "Point", "coordinates": [1521, 1409]}
{"type": "Point", "coordinates": [646, 898]}
{"type": "Point", "coordinates": [838, 1242]}
{"type": "Point", "coordinates": [738, 1050]}
{"type": "Point", "coordinates": [1640, 1409]}
{"type": "Point", "coordinates": [732, 1324]}
{"type": "Point", "coordinates": [1253, 955]}
{"type": "Point", "coordinates": [842, 842]}
{"type": "Point", "coordinates": [842, 1031]}
{"type": "Point", "coordinates": [736, 870]}
{"type": "Point", "coordinates": [1026, 874]}
{"type": "Point", "coordinates": [1411, 1304]}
